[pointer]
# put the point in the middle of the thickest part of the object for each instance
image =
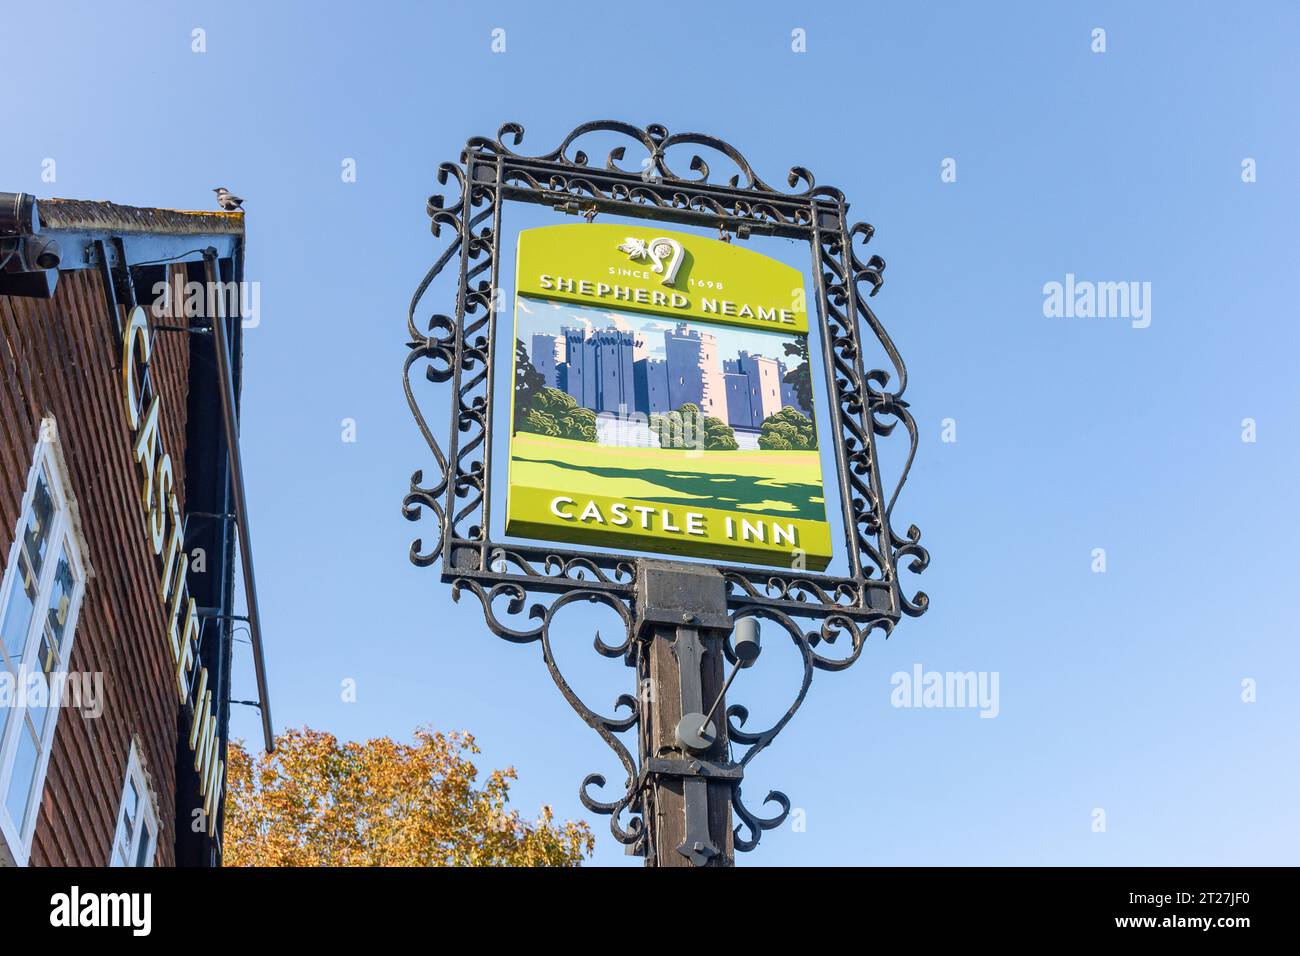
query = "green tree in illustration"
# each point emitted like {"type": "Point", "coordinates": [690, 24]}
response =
{"type": "Point", "coordinates": [718, 435]}
{"type": "Point", "coordinates": [528, 381]}
{"type": "Point", "coordinates": [557, 414]}
{"type": "Point", "coordinates": [787, 430]}
{"type": "Point", "coordinates": [688, 427]}
{"type": "Point", "coordinates": [544, 410]}
{"type": "Point", "coordinates": [799, 377]}
{"type": "Point", "coordinates": [676, 428]}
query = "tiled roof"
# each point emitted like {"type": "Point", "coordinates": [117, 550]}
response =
{"type": "Point", "coordinates": [111, 217]}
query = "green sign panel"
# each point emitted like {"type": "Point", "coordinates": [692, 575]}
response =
{"type": "Point", "coordinates": [663, 398]}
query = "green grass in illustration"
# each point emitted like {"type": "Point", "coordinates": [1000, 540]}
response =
{"type": "Point", "coordinates": [784, 483]}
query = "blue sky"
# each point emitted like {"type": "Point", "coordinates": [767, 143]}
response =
{"type": "Point", "coordinates": [1120, 691]}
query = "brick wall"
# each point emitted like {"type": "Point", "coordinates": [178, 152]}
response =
{"type": "Point", "coordinates": [61, 357]}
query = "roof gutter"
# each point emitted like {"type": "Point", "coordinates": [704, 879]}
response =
{"type": "Point", "coordinates": [230, 421]}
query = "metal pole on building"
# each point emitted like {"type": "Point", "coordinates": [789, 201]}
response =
{"type": "Point", "coordinates": [221, 342]}
{"type": "Point", "coordinates": [682, 624]}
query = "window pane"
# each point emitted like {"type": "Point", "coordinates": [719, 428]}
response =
{"type": "Point", "coordinates": [143, 857]}
{"type": "Point", "coordinates": [137, 827]}
{"type": "Point", "coordinates": [20, 784]}
{"type": "Point", "coordinates": [130, 807]}
{"type": "Point", "coordinates": [31, 559]}
{"type": "Point", "coordinates": [47, 659]}
{"type": "Point", "coordinates": [18, 616]}
{"type": "Point", "coordinates": [60, 603]}
{"type": "Point", "coordinates": [38, 700]}
{"type": "Point", "coordinates": [39, 520]}
{"type": "Point", "coordinates": [52, 636]}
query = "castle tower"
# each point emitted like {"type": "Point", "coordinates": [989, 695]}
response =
{"type": "Point", "coordinates": [547, 355]}
{"type": "Point", "coordinates": [694, 372]}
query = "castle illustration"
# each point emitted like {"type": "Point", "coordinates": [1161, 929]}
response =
{"type": "Point", "coordinates": [609, 369]}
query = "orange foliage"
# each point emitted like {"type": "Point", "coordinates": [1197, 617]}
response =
{"type": "Point", "coordinates": [319, 802]}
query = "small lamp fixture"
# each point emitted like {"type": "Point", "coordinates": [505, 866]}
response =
{"type": "Point", "coordinates": [694, 732]}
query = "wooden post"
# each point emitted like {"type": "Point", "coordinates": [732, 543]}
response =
{"type": "Point", "coordinates": [682, 615]}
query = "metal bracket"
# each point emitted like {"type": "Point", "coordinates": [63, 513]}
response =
{"type": "Point", "coordinates": [689, 650]}
{"type": "Point", "coordinates": [215, 516]}
{"type": "Point", "coordinates": [696, 774]}
{"type": "Point", "coordinates": [679, 594]}
{"type": "Point", "coordinates": [188, 329]}
{"type": "Point", "coordinates": [216, 614]}
{"type": "Point", "coordinates": [695, 767]}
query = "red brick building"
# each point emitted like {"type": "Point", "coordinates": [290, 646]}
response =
{"type": "Point", "coordinates": [121, 530]}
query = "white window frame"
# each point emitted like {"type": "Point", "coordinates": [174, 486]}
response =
{"type": "Point", "coordinates": [146, 812]}
{"type": "Point", "coordinates": [16, 839]}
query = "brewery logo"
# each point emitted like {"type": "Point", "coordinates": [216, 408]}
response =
{"type": "Point", "coordinates": [656, 250]}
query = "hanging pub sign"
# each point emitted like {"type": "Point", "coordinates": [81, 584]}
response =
{"type": "Point", "coordinates": [663, 398]}
{"type": "Point", "coordinates": [660, 389]}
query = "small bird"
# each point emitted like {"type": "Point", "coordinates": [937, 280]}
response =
{"type": "Point", "coordinates": [226, 201]}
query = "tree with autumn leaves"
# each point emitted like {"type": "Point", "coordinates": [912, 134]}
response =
{"type": "Point", "coordinates": [317, 801]}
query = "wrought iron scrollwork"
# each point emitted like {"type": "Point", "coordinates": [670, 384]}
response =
{"type": "Point", "coordinates": [455, 351]}
{"type": "Point", "coordinates": [607, 727]}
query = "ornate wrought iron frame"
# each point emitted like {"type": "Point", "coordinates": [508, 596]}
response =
{"type": "Point", "coordinates": [458, 349]}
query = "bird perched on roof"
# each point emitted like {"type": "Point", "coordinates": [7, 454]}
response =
{"type": "Point", "coordinates": [227, 201]}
